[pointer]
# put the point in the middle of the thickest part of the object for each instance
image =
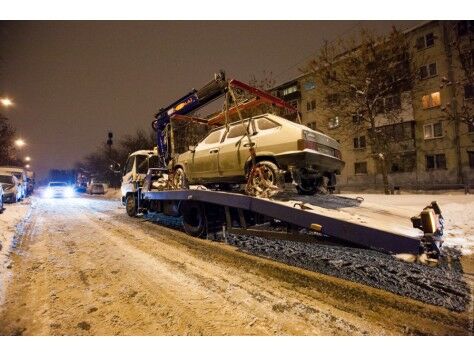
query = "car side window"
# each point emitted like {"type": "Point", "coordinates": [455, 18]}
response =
{"type": "Point", "coordinates": [214, 137]}
{"type": "Point", "coordinates": [265, 124]}
{"type": "Point", "coordinates": [129, 165]}
{"type": "Point", "coordinates": [153, 162]}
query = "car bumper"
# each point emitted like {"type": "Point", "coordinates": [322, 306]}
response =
{"type": "Point", "coordinates": [310, 158]}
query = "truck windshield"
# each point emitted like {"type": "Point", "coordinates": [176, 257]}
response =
{"type": "Point", "coordinates": [6, 179]}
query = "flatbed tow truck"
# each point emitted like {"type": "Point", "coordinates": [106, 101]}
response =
{"type": "Point", "coordinates": [207, 212]}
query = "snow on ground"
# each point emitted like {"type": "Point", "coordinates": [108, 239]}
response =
{"type": "Point", "coordinates": [10, 220]}
{"type": "Point", "coordinates": [457, 210]}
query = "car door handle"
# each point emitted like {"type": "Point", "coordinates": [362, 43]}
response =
{"type": "Point", "coordinates": [249, 144]}
{"type": "Point", "coordinates": [215, 150]}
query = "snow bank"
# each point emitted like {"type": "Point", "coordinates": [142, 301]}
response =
{"type": "Point", "coordinates": [457, 210]}
{"type": "Point", "coordinates": [10, 220]}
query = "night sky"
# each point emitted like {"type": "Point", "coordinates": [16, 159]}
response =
{"type": "Point", "coordinates": [73, 81]}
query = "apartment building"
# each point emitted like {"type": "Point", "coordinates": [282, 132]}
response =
{"type": "Point", "coordinates": [432, 146]}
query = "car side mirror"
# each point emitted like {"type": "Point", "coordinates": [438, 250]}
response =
{"type": "Point", "coordinates": [192, 148]}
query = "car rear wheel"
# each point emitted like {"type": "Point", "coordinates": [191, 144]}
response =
{"type": "Point", "coordinates": [180, 180]}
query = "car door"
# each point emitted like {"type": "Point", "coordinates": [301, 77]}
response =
{"type": "Point", "coordinates": [203, 163]}
{"type": "Point", "coordinates": [234, 150]}
{"type": "Point", "coordinates": [127, 185]}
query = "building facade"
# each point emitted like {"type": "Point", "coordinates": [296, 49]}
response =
{"type": "Point", "coordinates": [433, 146]}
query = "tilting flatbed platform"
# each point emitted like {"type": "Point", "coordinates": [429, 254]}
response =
{"type": "Point", "coordinates": [219, 205]}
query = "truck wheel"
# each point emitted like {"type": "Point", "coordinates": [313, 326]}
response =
{"type": "Point", "coordinates": [179, 179]}
{"type": "Point", "coordinates": [194, 219]}
{"type": "Point", "coordinates": [131, 205]}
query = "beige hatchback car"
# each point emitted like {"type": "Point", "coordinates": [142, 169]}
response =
{"type": "Point", "coordinates": [308, 158]}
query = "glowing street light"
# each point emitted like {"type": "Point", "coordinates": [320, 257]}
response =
{"type": "Point", "coordinates": [6, 102]}
{"type": "Point", "coordinates": [27, 159]}
{"type": "Point", "coordinates": [27, 166]}
{"type": "Point", "coordinates": [20, 142]}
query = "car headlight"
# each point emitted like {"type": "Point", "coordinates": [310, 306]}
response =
{"type": "Point", "coordinates": [48, 193]}
{"type": "Point", "coordinates": [69, 192]}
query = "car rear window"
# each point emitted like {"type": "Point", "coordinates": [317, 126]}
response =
{"type": "Point", "coordinates": [238, 130]}
{"type": "Point", "coordinates": [265, 124]}
{"type": "Point", "coordinates": [58, 184]}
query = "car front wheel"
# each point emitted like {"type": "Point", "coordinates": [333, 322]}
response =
{"type": "Point", "coordinates": [131, 205]}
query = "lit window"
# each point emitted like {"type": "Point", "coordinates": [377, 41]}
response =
{"type": "Point", "coordinates": [290, 90]}
{"type": "Point", "coordinates": [431, 100]}
{"type": "Point", "coordinates": [433, 130]}
{"type": "Point", "coordinates": [333, 122]}
{"type": "Point", "coordinates": [435, 161]}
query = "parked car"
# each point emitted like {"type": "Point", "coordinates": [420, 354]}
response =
{"type": "Point", "coordinates": [307, 157]}
{"type": "Point", "coordinates": [30, 182]}
{"type": "Point", "coordinates": [20, 174]}
{"type": "Point", "coordinates": [12, 189]}
{"type": "Point", "coordinates": [58, 190]}
{"type": "Point", "coordinates": [96, 188]}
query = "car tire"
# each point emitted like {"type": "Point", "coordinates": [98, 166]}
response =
{"type": "Point", "coordinates": [180, 181]}
{"type": "Point", "coordinates": [309, 188]}
{"type": "Point", "coordinates": [194, 219]}
{"type": "Point", "coordinates": [131, 205]}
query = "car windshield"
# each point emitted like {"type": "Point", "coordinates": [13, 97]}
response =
{"type": "Point", "coordinates": [57, 184]}
{"type": "Point", "coordinates": [6, 179]}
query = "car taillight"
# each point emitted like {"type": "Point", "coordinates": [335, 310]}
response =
{"type": "Point", "coordinates": [302, 144]}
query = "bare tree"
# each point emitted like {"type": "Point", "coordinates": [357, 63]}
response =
{"type": "Point", "coordinates": [361, 82]}
{"type": "Point", "coordinates": [7, 149]}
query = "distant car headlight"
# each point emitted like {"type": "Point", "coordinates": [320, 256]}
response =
{"type": "Point", "coordinates": [69, 192]}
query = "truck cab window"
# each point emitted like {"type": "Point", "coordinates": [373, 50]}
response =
{"type": "Point", "coordinates": [129, 165]}
{"type": "Point", "coordinates": [142, 164]}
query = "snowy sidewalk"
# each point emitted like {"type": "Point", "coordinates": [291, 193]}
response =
{"type": "Point", "coordinates": [10, 219]}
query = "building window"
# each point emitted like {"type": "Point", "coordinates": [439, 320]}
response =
{"type": "Point", "coordinates": [471, 159]}
{"type": "Point", "coordinates": [468, 91]}
{"type": "Point", "coordinates": [309, 85]}
{"type": "Point", "coordinates": [357, 118]}
{"type": "Point", "coordinates": [435, 161]}
{"type": "Point", "coordinates": [333, 99]}
{"type": "Point", "coordinates": [425, 41]}
{"type": "Point", "coordinates": [434, 130]}
{"type": "Point", "coordinates": [290, 90]}
{"type": "Point", "coordinates": [311, 125]}
{"type": "Point", "coordinates": [333, 122]}
{"type": "Point", "coordinates": [428, 71]}
{"type": "Point", "coordinates": [431, 100]}
{"type": "Point", "coordinates": [311, 105]}
{"type": "Point", "coordinates": [403, 163]}
{"type": "Point", "coordinates": [360, 167]}
{"type": "Point", "coordinates": [359, 142]}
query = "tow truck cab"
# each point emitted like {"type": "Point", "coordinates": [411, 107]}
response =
{"type": "Point", "coordinates": [135, 170]}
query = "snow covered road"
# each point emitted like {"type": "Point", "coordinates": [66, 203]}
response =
{"type": "Point", "coordinates": [85, 268]}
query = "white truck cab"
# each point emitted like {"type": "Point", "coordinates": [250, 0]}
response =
{"type": "Point", "coordinates": [135, 170]}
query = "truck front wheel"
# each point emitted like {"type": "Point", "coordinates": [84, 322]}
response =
{"type": "Point", "coordinates": [131, 205]}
